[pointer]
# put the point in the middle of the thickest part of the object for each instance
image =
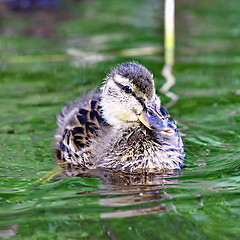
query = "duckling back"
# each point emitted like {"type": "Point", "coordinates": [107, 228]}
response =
{"type": "Point", "coordinates": [77, 126]}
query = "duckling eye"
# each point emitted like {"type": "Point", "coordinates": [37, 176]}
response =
{"type": "Point", "coordinates": [127, 89]}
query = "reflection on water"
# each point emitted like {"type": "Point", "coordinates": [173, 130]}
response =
{"type": "Point", "coordinates": [135, 212]}
{"type": "Point", "coordinates": [8, 231]}
{"type": "Point", "coordinates": [126, 189]}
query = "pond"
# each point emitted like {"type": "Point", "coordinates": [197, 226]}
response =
{"type": "Point", "coordinates": [52, 53]}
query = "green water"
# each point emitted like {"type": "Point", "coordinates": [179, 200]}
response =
{"type": "Point", "coordinates": [49, 58]}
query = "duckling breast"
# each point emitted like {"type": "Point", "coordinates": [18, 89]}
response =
{"type": "Point", "coordinates": [137, 151]}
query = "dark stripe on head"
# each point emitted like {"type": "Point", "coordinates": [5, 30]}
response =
{"type": "Point", "coordinates": [138, 75]}
{"type": "Point", "coordinates": [140, 99]}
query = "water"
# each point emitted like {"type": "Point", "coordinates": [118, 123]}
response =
{"type": "Point", "coordinates": [45, 64]}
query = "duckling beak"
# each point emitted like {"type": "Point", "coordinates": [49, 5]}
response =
{"type": "Point", "coordinates": [152, 118]}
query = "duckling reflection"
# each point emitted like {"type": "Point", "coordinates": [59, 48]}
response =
{"type": "Point", "coordinates": [124, 190]}
{"type": "Point", "coordinates": [122, 128]}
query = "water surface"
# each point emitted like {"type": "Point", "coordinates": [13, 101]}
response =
{"type": "Point", "coordinates": [51, 56]}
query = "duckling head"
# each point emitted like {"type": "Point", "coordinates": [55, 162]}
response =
{"type": "Point", "coordinates": [128, 98]}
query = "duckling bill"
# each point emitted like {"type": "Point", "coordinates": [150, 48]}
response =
{"type": "Point", "coordinates": [124, 127]}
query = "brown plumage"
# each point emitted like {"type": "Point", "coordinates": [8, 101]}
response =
{"type": "Point", "coordinates": [123, 128]}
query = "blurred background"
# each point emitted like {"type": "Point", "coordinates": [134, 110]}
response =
{"type": "Point", "coordinates": [52, 51]}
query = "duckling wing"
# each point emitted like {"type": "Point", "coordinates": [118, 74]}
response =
{"type": "Point", "coordinates": [87, 122]}
{"type": "Point", "coordinates": [77, 127]}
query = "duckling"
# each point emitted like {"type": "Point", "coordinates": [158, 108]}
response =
{"type": "Point", "coordinates": [124, 127]}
